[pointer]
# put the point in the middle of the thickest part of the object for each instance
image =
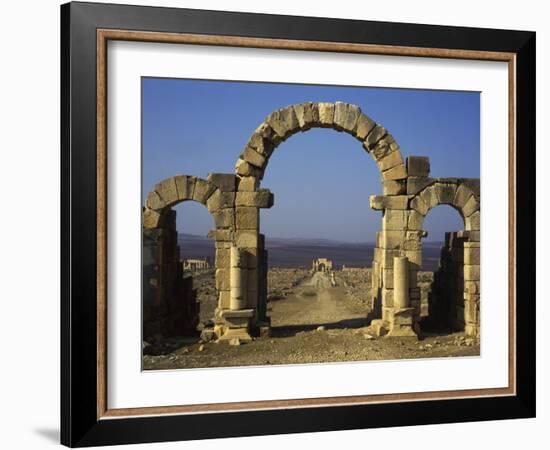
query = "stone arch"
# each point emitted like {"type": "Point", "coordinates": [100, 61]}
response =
{"type": "Point", "coordinates": [460, 194]}
{"type": "Point", "coordinates": [459, 303]}
{"type": "Point", "coordinates": [340, 116]}
{"type": "Point", "coordinates": [276, 128]}
{"type": "Point", "coordinates": [171, 191]}
{"type": "Point", "coordinates": [170, 307]}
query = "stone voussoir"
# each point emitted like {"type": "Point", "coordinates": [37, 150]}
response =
{"type": "Point", "coordinates": [326, 114]}
{"type": "Point", "coordinates": [390, 160]}
{"type": "Point", "coordinates": [283, 122]}
{"type": "Point", "coordinates": [395, 173]}
{"type": "Point", "coordinates": [345, 116]}
{"type": "Point", "coordinates": [251, 156]}
{"type": "Point", "coordinates": [167, 191]}
{"type": "Point", "coordinates": [203, 190]}
{"type": "Point", "coordinates": [307, 115]}
{"type": "Point", "coordinates": [245, 169]}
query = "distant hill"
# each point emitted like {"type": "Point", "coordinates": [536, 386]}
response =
{"type": "Point", "coordinates": [296, 252]}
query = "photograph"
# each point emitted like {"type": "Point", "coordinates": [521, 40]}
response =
{"type": "Point", "coordinates": [303, 224]}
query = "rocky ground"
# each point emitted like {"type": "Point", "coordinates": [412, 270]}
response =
{"type": "Point", "coordinates": [312, 322]}
{"type": "Point", "coordinates": [357, 283]}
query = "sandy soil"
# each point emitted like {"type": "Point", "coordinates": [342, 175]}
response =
{"type": "Point", "coordinates": [315, 323]}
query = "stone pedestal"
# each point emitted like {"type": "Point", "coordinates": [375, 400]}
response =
{"type": "Point", "coordinates": [403, 323]}
{"type": "Point", "coordinates": [237, 324]}
{"type": "Point", "coordinates": [402, 320]}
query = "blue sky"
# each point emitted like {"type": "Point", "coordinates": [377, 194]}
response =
{"type": "Point", "coordinates": [321, 179]}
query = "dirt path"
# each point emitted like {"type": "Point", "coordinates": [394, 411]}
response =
{"type": "Point", "coordinates": [316, 303]}
{"type": "Point", "coordinates": [315, 323]}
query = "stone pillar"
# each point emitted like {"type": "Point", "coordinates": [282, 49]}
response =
{"type": "Point", "coordinates": [472, 287]}
{"type": "Point", "coordinates": [403, 317]}
{"type": "Point", "coordinates": [237, 280]}
{"type": "Point", "coordinates": [401, 282]}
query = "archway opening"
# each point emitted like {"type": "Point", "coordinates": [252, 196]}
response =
{"type": "Point", "coordinates": [441, 280]}
{"type": "Point", "coordinates": [196, 256]}
{"type": "Point", "coordinates": [320, 232]}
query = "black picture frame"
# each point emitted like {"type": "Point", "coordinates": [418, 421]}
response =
{"type": "Point", "coordinates": [80, 425]}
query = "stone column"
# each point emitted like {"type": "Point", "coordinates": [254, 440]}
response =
{"type": "Point", "coordinates": [401, 282]}
{"type": "Point", "coordinates": [237, 280]}
{"type": "Point", "coordinates": [402, 323]}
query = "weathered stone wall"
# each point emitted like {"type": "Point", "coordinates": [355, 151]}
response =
{"type": "Point", "coordinates": [424, 281]}
{"type": "Point", "coordinates": [170, 307]}
{"type": "Point", "coordinates": [454, 301]}
{"type": "Point", "coordinates": [402, 226]}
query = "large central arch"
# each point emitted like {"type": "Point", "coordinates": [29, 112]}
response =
{"type": "Point", "coordinates": [253, 161]}
{"type": "Point", "coordinates": [285, 122]}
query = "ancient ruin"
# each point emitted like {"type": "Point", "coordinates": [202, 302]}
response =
{"type": "Point", "coordinates": [196, 264]}
{"type": "Point", "coordinates": [235, 199]}
{"type": "Point", "coordinates": [321, 265]}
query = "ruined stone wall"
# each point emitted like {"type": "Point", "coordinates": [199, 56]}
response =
{"type": "Point", "coordinates": [424, 282]}
{"type": "Point", "coordinates": [454, 301]}
{"type": "Point", "coordinates": [170, 306]}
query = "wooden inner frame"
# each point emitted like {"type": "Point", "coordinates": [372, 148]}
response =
{"type": "Point", "coordinates": [104, 35]}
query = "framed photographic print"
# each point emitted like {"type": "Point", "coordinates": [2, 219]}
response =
{"type": "Point", "coordinates": [276, 223]}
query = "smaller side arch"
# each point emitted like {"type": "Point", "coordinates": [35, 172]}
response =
{"type": "Point", "coordinates": [461, 250]}
{"type": "Point", "coordinates": [170, 306]}
{"type": "Point", "coordinates": [171, 191]}
{"type": "Point", "coordinates": [460, 194]}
